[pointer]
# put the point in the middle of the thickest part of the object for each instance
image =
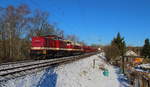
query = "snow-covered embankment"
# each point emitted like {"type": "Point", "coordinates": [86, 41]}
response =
{"type": "Point", "coordinates": [81, 73]}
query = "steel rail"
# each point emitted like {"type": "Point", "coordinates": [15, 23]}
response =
{"type": "Point", "coordinates": [4, 72]}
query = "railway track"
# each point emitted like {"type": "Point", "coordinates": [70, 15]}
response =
{"type": "Point", "coordinates": [14, 70]}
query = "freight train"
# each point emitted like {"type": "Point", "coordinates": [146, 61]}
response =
{"type": "Point", "coordinates": [51, 46]}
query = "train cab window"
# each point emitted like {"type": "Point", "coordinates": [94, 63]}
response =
{"type": "Point", "coordinates": [68, 43]}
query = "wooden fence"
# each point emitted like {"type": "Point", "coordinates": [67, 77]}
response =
{"type": "Point", "coordinates": [136, 78]}
{"type": "Point", "coordinates": [141, 80]}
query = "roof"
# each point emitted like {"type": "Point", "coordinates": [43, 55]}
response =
{"type": "Point", "coordinates": [130, 53]}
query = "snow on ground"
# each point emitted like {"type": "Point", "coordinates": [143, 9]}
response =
{"type": "Point", "coordinates": [143, 68]}
{"type": "Point", "coordinates": [146, 66]}
{"type": "Point", "coordinates": [82, 73]}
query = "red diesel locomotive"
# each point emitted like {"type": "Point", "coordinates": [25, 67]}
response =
{"type": "Point", "coordinates": [54, 46]}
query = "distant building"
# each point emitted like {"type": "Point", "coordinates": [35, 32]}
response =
{"type": "Point", "coordinates": [137, 50]}
{"type": "Point", "coordinates": [130, 53]}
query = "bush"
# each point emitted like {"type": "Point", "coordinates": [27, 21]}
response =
{"type": "Point", "coordinates": [111, 52]}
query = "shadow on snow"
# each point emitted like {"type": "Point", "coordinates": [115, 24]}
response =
{"type": "Point", "coordinates": [49, 78]}
{"type": "Point", "coordinates": [121, 78]}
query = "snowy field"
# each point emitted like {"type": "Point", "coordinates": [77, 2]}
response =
{"type": "Point", "coordinates": [82, 73]}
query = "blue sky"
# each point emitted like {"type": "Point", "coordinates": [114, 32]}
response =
{"type": "Point", "coordinates": [97, 21]}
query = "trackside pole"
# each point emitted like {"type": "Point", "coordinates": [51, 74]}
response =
{"type": "Point", "coordinates": [93, 63]}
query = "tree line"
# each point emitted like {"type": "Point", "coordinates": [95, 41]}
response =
{"type": "Point", "coordinates": [118, 48]}
{"type": "Point", "coordinates": [18, 25]}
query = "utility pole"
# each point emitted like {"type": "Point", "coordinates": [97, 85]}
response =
{"type": "Point", "coordinates": [123, 64]}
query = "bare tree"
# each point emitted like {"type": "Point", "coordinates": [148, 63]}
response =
{"type": "Point", "coordinates": [13, 24]}
{"type": "Point", "coordinates": [17, 26]}
{"type": "Point", "coordinates": [73, 38]}
{"type": "Point", "coordinates": [59, 32]}
{"type": "Point", "coordinates": [40, 24]}
{"type": "Point", "coordinates": [111, 52]}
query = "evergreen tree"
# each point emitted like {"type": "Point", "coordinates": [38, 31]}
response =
{"type": "Point", "coordinates": [146, 49]}
{"type": "Point", "coordinates": [119, 43]}
{"type": "Point", "coordinates": [116, 49]}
